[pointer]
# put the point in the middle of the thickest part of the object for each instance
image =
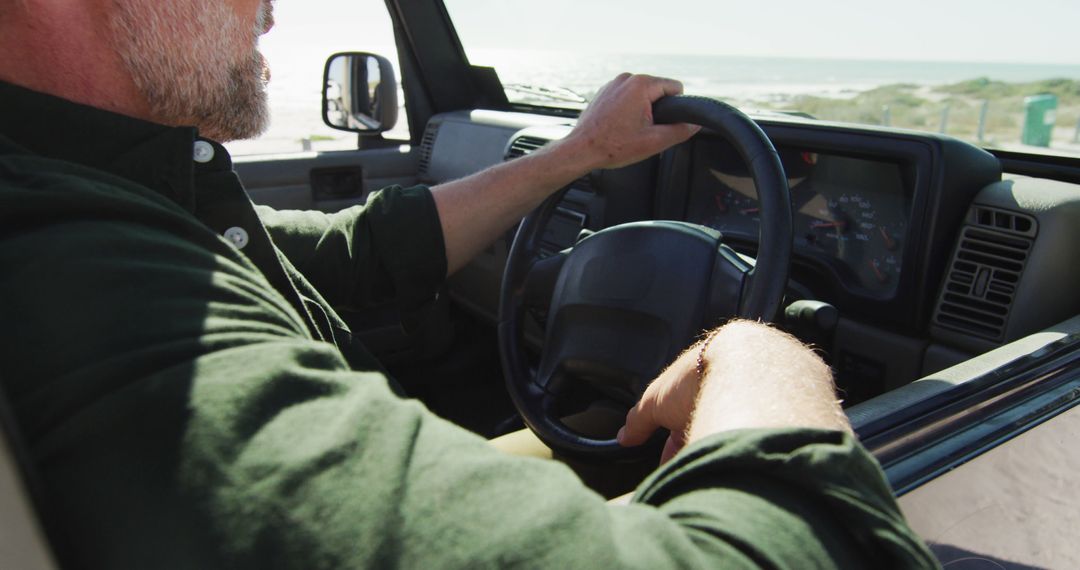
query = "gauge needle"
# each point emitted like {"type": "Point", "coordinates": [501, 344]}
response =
{"type": "Point", "coordinates": [877, 271]}
{"type": "Point", "coordinates": [750, 211]}
{"type": "Point", "coordinates": [890, 243]}
{"type": "Point", "coordinates": [819, 225]}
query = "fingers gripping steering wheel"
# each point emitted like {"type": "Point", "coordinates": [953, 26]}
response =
{"type": "Point", "coordinates": [629, 298]}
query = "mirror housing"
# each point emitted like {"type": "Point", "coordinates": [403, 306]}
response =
{"type": "Point", "coordinates": [359, 93]}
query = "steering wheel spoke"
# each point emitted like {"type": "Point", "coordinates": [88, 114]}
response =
{"type": "Point", "coordinates": [727, 291]}
{"type": "Point", "coordinates": [540, 281]}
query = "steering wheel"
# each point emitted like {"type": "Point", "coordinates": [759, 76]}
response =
{"type": "Point", "coordinates": [626, 300]}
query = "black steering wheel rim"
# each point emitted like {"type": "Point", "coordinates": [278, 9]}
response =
{"type": "Point", "coordinates": [761, 297]}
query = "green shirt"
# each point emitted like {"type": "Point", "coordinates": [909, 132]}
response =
{"type": "Point", "coordinates": [190, 404]}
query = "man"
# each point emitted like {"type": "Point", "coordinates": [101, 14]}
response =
{"type": "Point", "coordinates": [191, 400]}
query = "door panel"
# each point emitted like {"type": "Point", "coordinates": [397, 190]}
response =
{"type": "Point", "coordinates": [331, 181]}
{"type": "Point", "coordinates": [327, 181]}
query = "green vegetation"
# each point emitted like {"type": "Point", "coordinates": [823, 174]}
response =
{"type": "Point", "coordinates": [924, 107]}
{"type": "Point", "coordinates": [988, 89]}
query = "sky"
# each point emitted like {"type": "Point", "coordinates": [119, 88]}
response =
{"type": "Point", "coordinates": [1032, 31]}
{"type": "Point", "coordinates": [307, 31]}
{"type": "Point", "coordinates": [957, 30]}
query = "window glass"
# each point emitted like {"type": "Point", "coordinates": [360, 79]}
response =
{"type": "Point", "coordinates": [305, 34]}
{"type": "Point", "coordinates": [1003, 75]}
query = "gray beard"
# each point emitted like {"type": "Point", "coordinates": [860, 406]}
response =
{"type": "Point", "coordinates": [175, 52]}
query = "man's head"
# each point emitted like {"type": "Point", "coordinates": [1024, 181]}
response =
{"type": "Point", "coordinates": [196, 61]}
{"type": "Point", "coordinates": [175, 62]}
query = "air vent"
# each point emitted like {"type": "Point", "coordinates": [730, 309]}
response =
{"type": "Point", "coordinates": [1002, 221]}
{"type": "Point", "coordinates": [982, 282]}
{"type": "Point", "coordinates": [524, 145]}
{"type": "Point", "coordinates": [427, 145]}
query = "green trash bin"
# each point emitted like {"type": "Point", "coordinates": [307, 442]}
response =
{"type": "Point", "coordinates": [1040, 112]}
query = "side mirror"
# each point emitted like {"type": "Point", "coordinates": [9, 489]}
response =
{"type": "Point", "coordinates": [359, 93]}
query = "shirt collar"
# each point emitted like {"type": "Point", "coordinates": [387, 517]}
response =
{"type": "Point", "coordinates": [164, 159]}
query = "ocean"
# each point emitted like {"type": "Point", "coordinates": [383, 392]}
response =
{"type": "Point", "coordinates": [295, 89]}
{"type": "Point", "coordinates": [743, 78]}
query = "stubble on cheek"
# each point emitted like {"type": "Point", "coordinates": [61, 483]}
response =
{"type": "Point", "coordinates": [196, 64]}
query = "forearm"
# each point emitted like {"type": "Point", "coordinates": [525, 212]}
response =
{"type": "Point", "coordinates": [615, 130]}
{"type": "Point", "coordinates": [475, 210]}
{"type": "Point", "coordinates": [758, 377]}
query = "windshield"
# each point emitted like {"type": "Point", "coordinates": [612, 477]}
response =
{"type": "Point", "coordinates": [1005, 77]}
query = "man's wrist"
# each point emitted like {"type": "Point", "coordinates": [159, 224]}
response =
{"type": "Point", "coordinates": [579, 152]}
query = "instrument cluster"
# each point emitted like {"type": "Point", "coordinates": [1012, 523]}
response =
{"type": "Point", "coordinates": [851, 212]}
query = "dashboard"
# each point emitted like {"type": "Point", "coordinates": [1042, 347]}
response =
{"type": "Point", "coordinates": [927, 253]}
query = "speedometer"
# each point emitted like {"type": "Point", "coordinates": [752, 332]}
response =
{"type": "Point", "coordinates": [851, 228]}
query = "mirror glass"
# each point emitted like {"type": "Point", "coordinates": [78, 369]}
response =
{"type": "Point", "coordinates": [358, 90]}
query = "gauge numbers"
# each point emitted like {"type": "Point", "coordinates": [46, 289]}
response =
{"type": "Point", "coordinates": [851, 228]}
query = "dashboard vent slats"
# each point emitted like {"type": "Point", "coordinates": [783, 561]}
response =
{"type": "Point", "coordinates": [524, 145]}
{"type": "Point", "coordinates": [427, 146]}
{"type": "Point", "coordinates": [986, 268]}
{"type": "Point", "coordinates": [1002, 221]}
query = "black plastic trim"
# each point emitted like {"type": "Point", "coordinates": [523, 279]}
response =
{"type": "Point", "coordinates": [924, 440]}
{"type": "Point", "coordinates": [450, 82]}
{"type": "Point", "coordinates": [1059, 168]}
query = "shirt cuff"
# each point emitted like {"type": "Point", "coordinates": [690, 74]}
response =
{"type": "Point", "coordinates": [408, 236]}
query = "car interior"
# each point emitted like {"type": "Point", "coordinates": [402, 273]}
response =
{"type": "Point", "coordinates": [929, 272]}
{"type": "Point", "coordinates": [937, 278]}
{"type": "Point", "coordinates": [913, 252]}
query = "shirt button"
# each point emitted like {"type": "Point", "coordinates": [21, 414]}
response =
{"type": "Point", "coordinates": [204, 152]}
{"type": "Point", "coordinates": [237, 236]}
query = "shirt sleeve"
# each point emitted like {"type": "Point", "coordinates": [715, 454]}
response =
{"type": "Point", "coordinates": [384, 483]}
{"type": "Point", "coordinates": [389, 249]}
{"type": "Point", "coordinates": [782, 493]}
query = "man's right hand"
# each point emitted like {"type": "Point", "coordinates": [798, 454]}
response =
{"type": "Point", "coordinates": [755, 377]}
{"type": "Point", "coordinates": [667, 403]}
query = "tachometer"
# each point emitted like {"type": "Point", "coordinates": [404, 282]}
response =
{"type": "Point", "coordinates": [733, 203]}
{"type": "Point", "coordinates": [736, 196]}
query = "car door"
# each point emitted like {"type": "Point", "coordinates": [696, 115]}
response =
{"type": "Point", "coordinates": [1011, 507]}
{"type": "Point", "coordinates": [982, 455]}
{"type": "Point", "coordinates": [327, 181]}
